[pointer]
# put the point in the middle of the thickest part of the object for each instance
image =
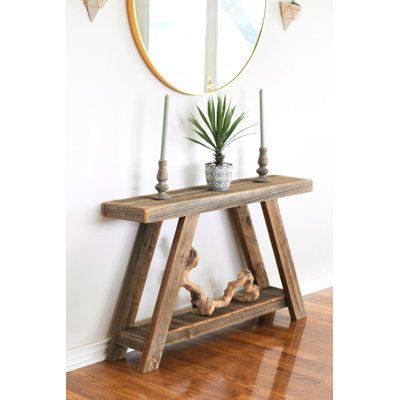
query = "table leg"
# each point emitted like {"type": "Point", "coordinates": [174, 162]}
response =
{"type": "Point", "coordinates": [135, 278]}
{"type": "Point", "coordinates": [248, 240]}
{"type": "Point", "coordinates": [283, 258]}
{"type": "Point", "coordinates": [166, 300]}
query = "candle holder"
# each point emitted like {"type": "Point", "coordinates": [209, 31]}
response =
{"type": "Point", "coordinates": [262, 171]}
{"type": "Point", "coordinates": [162, 187]}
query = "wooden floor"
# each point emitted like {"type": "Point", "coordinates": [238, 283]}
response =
{"type": "Point", "coordinates": [268, 358]}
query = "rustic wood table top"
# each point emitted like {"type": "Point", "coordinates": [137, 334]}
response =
{"type": "Point", "coordinates": [186, 204]}
{"type": "Point", "coordinates": [199, 199]}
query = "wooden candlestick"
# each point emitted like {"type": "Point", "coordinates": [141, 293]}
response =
{"type": "Point", "coordinates": [162, 187]}
{"type": "Point", "coordinates": [262, 171]}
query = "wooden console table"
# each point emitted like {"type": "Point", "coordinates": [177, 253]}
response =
{"type": "Point", "coordinates": [187, 204]}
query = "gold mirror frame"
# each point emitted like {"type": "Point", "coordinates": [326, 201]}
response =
{"type": "Point", "coordinates": [143, 52]}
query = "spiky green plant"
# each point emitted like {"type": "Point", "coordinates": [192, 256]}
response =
{"type": "Point", "coordinates": [220, 127]}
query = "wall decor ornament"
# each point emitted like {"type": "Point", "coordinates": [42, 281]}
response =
{"type": "Point", "coordinates": [93, 7]}
{"type": "Point", "coordinates": [289, 12]}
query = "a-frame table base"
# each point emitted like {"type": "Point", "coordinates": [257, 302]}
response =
{"type": "Point", "coordinates": [163, 329]}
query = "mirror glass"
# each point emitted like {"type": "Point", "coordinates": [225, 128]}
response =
{"type": "Point", "coordinates": [196, 46]}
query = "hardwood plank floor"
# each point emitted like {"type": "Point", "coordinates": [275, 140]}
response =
{"type": "Point", "coordinates": [268, 358]}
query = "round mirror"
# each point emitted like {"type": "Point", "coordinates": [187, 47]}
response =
{"type": "Point", "coordinates": [196, 46]}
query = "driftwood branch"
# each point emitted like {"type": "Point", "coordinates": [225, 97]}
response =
{"type": "Point", "coordinates": [206, 306]}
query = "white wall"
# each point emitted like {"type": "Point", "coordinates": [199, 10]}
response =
{"type": "Point", "coordinates": [114, 125]}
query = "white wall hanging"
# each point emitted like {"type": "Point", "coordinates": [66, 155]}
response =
{"type": "Point", "coordinates": [289, 12]}
{"type": "Point", "coordinates": [93, 7]}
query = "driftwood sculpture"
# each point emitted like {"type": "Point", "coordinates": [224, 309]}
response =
{"type": "Point", "coordinates": [205, 306]}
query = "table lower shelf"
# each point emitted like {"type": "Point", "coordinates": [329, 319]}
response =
{"type": "Point", "coordinates": [189, 325]}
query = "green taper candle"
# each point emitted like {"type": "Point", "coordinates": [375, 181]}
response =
{"type": "Point", "coordinates": [164, 128]}
{"type": "Point", "coordinates": [262, 118]}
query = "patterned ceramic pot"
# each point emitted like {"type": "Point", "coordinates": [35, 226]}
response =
{"type": "Point", "coordinates": [218, 177]}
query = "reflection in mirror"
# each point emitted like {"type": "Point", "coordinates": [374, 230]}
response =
{"type": "Point", "coordinates": [196, 46]}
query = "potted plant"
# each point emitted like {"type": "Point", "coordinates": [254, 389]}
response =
{"type": "Point", "coordinates": [218, 130]}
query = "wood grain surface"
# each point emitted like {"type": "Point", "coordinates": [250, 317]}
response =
{"type": "Point", "coordinates": [248, 241]}
{"type": "Point", "coordinates": [132, 289]}
{"type": "Point", "coordinates": [283, 259]}
{"type": "Point", "coordinates": [167, 296]}
{"type": "Point", "coordinates": [268, 357]}
{"type": "Point", "coordinates": [189, 325]}
{"type": "Point", "coordinates": [187, 204]}
{"type": "Point", "coordinates": [199, 199]}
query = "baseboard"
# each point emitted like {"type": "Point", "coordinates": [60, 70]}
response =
{"type": "Point", "coordinates": [92, 353]}
{"type": "Point", "coordinates": [85, 355]}
{"type": "Point", "coordinates": [316, 283]}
